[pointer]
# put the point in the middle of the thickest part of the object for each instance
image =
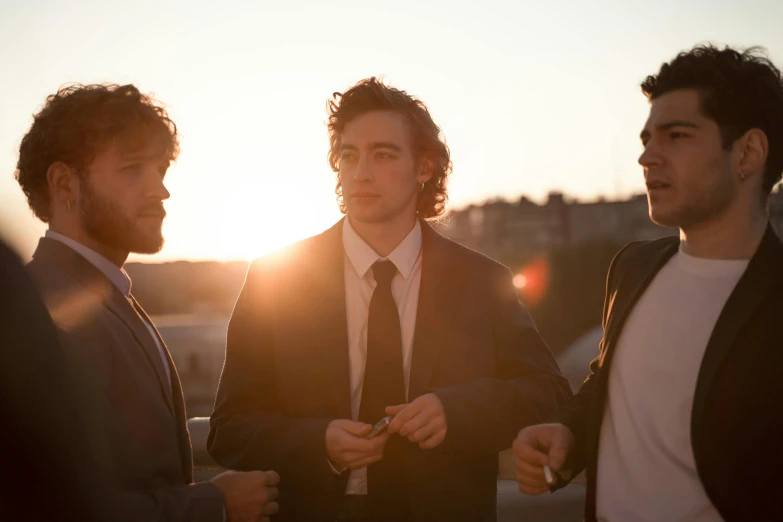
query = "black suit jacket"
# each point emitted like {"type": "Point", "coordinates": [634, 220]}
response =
{"type": "Point", "coordinates": [286, 376]}
{"type": "Point", "coordinates": [138, 428]}
{"type": "Point", "coordinates": [737, 423]}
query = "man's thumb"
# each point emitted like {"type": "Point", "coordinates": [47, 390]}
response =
{"type": "Point", "coordinates": [358, 429]}
{"type": "Point", "coordinates": [558, 452]}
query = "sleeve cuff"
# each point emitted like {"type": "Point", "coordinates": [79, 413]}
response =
{"type": "Point", "coordinates": [335, 469]}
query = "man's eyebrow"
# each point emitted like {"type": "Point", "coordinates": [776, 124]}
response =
{"type": "Point", "coordinates": [384, 145]}
{"type": "Point", "coordinates": [668, 126]}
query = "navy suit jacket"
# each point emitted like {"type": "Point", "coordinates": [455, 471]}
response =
{"type": "Point", "coordinates": [286, 376]}
{"type": "Point", "coordinates": [137, 426]}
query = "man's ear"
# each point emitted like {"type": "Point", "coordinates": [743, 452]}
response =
{"type": "Point", "coordinates": [752, 149]}
{"type": "Point", "coordinates": [62, 182]}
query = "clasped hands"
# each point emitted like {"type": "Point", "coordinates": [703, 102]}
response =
{"type": "Point", "coordinates": [422, 421]}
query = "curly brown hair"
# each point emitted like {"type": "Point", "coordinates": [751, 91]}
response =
{"type": "Point", "coordinates": [371, 94]}
{"type": "Point", "coordinates": [739, 90]}
{"type": "Point", "coordinates": [78, 122]}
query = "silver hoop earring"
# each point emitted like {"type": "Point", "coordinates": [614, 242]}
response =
{"type": "Point", "coordinates": [68, 206]}
{"type": "Point", "coordinates": [421, 189]}
{"type": "Point", "coordinates": [743, 176]}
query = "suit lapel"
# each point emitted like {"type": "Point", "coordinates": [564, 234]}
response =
{"type": "Point", "coordinates": [625, 293]}
{"type": "Point", "coordinates": [624, 298]}
{"type": "Point", "coordinates": [439, 294]}
{"type": "Point", "coordinates": [752, 289]}
{"type": "Point", "coordinates": [123, 309]}
{"type": "Point", "coordinates": [173, 393]}
{"type": "Point", "coordinates": [328, 289]}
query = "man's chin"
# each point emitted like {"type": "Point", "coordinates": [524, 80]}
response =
{"type": "Point", "coordinates": [146, 246]}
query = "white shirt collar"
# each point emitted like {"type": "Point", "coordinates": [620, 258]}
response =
{"type": "Point", "coordinates": [116, 275]}
{"type": "Point", "coordinates": [362, 256]}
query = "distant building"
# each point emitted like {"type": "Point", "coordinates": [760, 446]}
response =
{"type": "Point", "coordinates": [502, 228]}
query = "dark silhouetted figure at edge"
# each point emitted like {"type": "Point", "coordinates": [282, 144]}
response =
{"type": "Point", "coordinates": [92, 166]}
{"type": "Point", "coordinates": [48, 472]}
{"type": "Point", "coordinates": [381, 315]}
{"type": "Point", "coordinates": [680, 418]}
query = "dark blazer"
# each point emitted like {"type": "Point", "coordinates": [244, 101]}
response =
{"type": "Point", "coordinates": [286, 377]}
{"type": "Point", "coordinates": [47, 472]}
{"type": "Point", "coordinates": [138, 429]}
{"type": "Point", "coordinates": [737, 422]}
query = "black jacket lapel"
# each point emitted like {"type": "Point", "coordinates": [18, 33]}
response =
{"type": "Point", "coordinates": [441, 286]}
{"type": "Point", "coordinates": [752, 289]}
{"type": "Point", "coordinates": [329, 290]}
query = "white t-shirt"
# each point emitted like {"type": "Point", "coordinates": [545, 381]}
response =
{"type": "Point", "coordinates": [646, 469]}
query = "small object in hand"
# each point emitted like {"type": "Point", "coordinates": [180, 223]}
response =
{"type": "Point", "coordinates": [549, 476]}
{"type": "Point", "coordinates": [380, 427]}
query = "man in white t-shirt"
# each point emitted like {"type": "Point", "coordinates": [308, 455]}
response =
{"type": "Point", "coordinates": [680, 418]}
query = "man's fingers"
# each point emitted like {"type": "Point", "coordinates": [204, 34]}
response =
{"type": "Point", "coordinates": [363, 462]}
{"type": "Point", "coordinates": [524, 480]}
{"type": "Point", "coordinates": [413, 424]}
{"type": "Point", "coordinates": [271, 478]}
{"type": "Point", "coordinates": [270, 508]}
{"type": "Point", "coordinates": [528, 453]}
{"type": "Point", "coordinates": [272, 494]}
{"type": "Point", "coordinates": [394, 410]}
{"type": "Point", "coordinates": [357, 429]}
{"type": "Point", "coordinates": [434, 441]}
{"type": "Point", "coordinates": [423, 433]}
{"type": "Point", "coordinates": [557, 454]}
{"type": "Point", "coordinates": [403, 416]}
{"type": "Point", "coordinates": [530, 471]}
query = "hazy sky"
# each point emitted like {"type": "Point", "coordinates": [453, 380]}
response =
{"type": "Point", "coordinates": [532, 96]}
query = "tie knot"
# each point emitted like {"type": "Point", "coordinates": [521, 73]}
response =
{"type": "Point", "coordinates": [383, 272]}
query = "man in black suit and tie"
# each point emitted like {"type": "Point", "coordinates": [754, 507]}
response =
{"type": "Point", "coordinates": [380, 315]}
{"type": "Point", "coordinates": [92, 167]}
{"type": "Point", "coordinates": [680, 418]}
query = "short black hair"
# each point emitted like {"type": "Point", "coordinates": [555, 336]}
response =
{"type": "Point", "coordinates": [739, 90]}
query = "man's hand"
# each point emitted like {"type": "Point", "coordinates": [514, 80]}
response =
{"type": "Point", "coordinates": [536, 447]}
{"type": "Point", "coordinates": [346, 446]}
{"type": "Point", "coordinates": [423, 421]}
{"type": "Point", "coordinates": [248, 496]}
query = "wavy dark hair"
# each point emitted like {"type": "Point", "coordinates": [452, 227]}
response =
{"type": "Point", "coordinates": [78, 122]}
{"type": "Point", "coordinates": [371, 94]}
{"type": "Point", "coordinates": [739, 90]}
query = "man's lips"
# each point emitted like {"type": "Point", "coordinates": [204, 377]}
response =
{"type": "Point", "coordinates": [656, 185]}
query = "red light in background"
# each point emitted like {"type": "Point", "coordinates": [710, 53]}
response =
{"type": "Point", "coordinates": [532, 282]}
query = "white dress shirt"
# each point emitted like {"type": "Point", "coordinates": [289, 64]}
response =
{"type": "Point", "coordinates": [118, 277]}
{"type": "Point", "coordinates": [359, 287]}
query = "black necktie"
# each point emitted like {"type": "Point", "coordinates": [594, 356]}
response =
{"type": "Point", "coordinates": [384, 384]}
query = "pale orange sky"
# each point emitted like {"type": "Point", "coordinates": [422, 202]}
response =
{"type": "Point", "coordinates": [532, 96]}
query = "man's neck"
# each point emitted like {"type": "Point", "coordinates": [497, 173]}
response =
{"type": "Point", "coordinates": [730, 236]}
{"type": "Point", "coordinates": [384, 237]}
{"type": "Point", "coordinates": [117, 257]}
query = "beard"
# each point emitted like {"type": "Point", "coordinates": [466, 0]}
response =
{"type": "Point", "coordinates": [106, 223]}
